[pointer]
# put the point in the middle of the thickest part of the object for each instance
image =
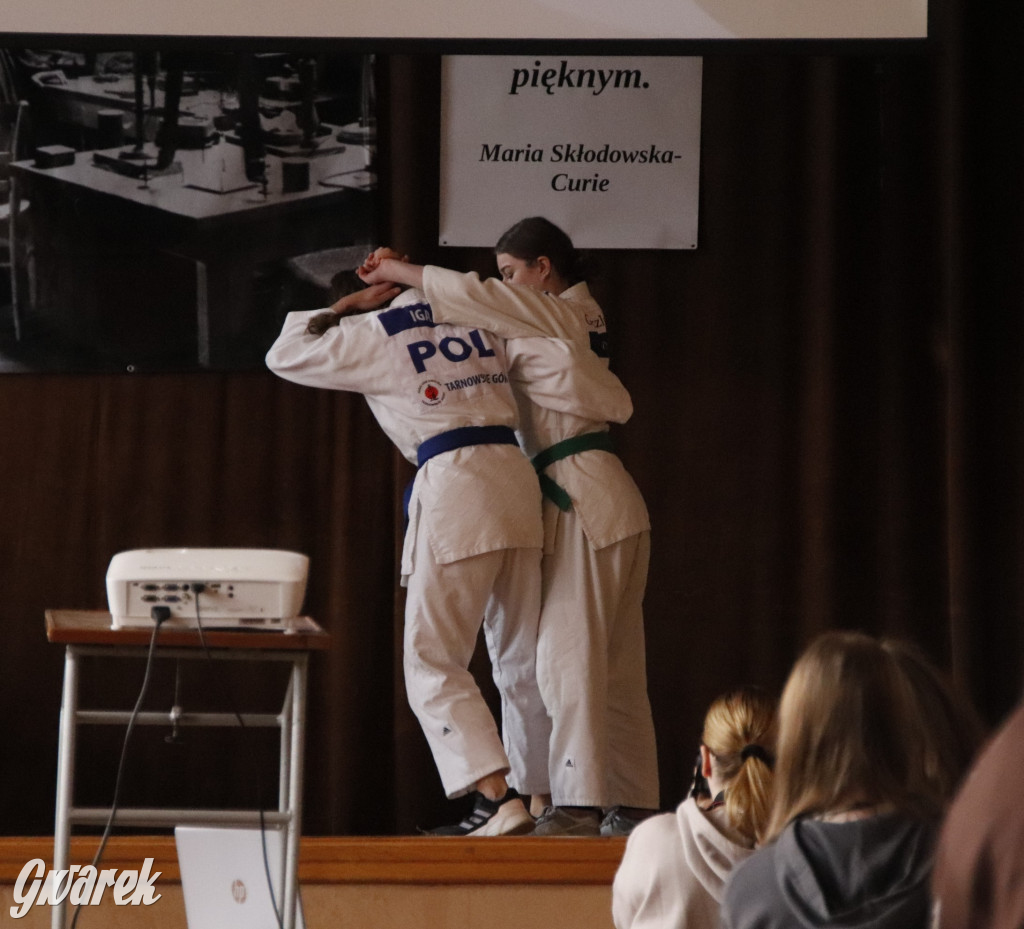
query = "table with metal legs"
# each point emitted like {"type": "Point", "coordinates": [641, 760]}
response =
{"type": "Point", "coordinates": [89, 633]}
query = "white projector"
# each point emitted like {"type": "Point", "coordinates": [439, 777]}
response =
{"type": "Point", "coordinates": [231, 588]}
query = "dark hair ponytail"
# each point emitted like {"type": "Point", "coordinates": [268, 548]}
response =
{"type": "Point", "coordinates": [320, 323]}
{"type": "Point", "coordinates": [343, 282]}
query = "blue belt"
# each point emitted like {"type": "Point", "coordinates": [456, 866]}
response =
{"type": "Point", "coordinates": [462, 437]}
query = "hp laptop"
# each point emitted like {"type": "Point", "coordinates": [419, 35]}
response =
{"type": "Point", "coordinates": [224, 878]}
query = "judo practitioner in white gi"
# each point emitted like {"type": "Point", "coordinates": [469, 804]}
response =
{"type": "Point", "coordinates": [591, 662]}
{"type": "Point", "coordinates": [473, 545]}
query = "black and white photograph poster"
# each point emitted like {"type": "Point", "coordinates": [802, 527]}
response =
{"type": "Point", "coordinates": [606, 147]}
{"type": "Point", "coordinates": [164, 204]}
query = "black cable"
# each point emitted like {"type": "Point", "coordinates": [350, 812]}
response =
{"type": "Point", "coordinates": [159, 614]}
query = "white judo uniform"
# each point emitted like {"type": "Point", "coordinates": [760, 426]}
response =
{"type": "Point", "coordinates": [472, 548]}
{"type": "Point", "coordinates": [591, 662]}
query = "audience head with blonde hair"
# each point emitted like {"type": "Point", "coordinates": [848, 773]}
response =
{"type": "Point", "coordinates": [866, 725]}
{"type": "Point", "coordinates": [737, 751]}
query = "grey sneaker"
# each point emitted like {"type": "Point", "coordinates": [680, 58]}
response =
{"type": "Point", "coordinates": [618, 822]}
{"type": "Point", "coordinates": [568, 820]}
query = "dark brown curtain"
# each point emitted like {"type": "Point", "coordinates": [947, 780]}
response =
{"type": "Point", "coordinates": [827, 431]}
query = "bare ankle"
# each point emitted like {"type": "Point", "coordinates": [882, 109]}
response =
{"type": "Point", "coordinates": [493, 786]}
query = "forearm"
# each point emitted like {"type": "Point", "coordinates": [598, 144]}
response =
{"type": "Point", "coordinates": [506, 310]}
{"type": "Point", "coordinates": [372, 297]}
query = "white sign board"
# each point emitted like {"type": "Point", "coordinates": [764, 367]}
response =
{"type": "Point", "coordinates": [606, 147]}
{"type": "Point", "coordinates": [479, 19]}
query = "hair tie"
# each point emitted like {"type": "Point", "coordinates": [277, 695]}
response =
{"type": "Point", "coordinates": [756, 751]}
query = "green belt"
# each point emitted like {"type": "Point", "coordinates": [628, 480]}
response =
{"type": "Point", "coordinates": [571, 446]}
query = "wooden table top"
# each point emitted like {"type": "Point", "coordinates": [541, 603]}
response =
{"type": "Point", "coordinates": [93, 627]}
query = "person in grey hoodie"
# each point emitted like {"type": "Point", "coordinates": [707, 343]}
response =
{"type": "Point", "coordinates": [869, 752]}
{"type": "Point", "coordinates": [675, 864]}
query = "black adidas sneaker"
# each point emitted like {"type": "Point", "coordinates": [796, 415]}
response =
{"type": "Point", "coordinates": [507, 816]}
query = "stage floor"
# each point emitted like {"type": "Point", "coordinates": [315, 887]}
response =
{"type": "Point", "coordinates": [373, 883]}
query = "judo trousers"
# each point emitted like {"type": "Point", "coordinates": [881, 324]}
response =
{"type": "Point", "coordinates": [445, 604]}
{"type": "Point", "coordinates": [592, 668]}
